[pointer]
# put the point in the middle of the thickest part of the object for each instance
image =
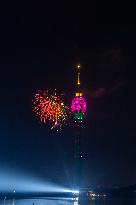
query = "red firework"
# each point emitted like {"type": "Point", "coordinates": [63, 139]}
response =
{"type": "Point", "coordinates": [50, 107]}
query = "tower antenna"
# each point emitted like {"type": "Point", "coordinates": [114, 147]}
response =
{"type": "Point", "coordinates": [78, 74]}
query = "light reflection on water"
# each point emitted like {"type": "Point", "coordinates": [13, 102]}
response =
{"type": "Point", "coordinates": [66, 201]}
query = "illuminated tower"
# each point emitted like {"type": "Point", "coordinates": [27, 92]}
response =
{"type": "Point", "coordinates": [78, 108]}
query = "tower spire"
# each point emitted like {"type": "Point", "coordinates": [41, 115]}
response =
{"type": "Point", "coordinates": [78, 93]}
{"type": "Point", "coordinates": [78, 74]}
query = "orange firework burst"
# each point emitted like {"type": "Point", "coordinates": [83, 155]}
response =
{"type": "Point", "coordinates": [50, 107]}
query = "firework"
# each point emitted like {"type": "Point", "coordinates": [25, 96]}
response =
{"type": "Point", "coordinates": [51, 108]}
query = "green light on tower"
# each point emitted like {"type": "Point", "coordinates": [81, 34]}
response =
{"type": "Point", "coordinates": [79, 116]}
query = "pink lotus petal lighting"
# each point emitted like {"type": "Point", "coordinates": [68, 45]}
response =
{"type": "Point", "coordinates": [78, 104]}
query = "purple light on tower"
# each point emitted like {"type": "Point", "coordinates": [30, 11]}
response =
{"type": "Point", "coordinates": [78, 104]}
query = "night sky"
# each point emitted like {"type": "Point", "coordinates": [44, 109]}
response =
{"type": "Point", "coordinates": [40, 46]}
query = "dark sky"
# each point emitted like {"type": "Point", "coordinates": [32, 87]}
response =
{"type": "Point", "coordinates": [39, 47]}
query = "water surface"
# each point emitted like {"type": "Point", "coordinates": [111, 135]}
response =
{"type": "Point", "coordinates": [67, 201]}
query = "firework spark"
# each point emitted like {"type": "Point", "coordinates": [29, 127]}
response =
{"type": "Point", "coordinates": [51, 108]}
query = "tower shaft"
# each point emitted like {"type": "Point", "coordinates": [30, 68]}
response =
{"type": "Point", "coordinates": [78, 158]}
